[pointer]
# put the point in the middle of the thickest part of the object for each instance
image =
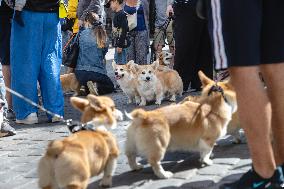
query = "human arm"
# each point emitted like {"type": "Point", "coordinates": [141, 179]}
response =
{"type": "Point", "coordinates": [72, 9]}
{"type": "Point", "coordinates": [94, 6]}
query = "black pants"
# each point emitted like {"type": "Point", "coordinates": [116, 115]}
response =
{"type": "Point", "coordinates": [193, 48]}
{"type": "Point", "coordinates": [5, 33]}
{"type": "Point", "coordinates": [104, 83]}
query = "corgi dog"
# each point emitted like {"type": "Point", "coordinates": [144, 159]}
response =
{"type": "Point", "coordinates": [125, 76]}
{"type": "Point", "coordinates": [234, 125]}
{"type": "Point", "coordinates": [165, 58]}
{"type": "Point", "coordinates": [69, 82]}
{"type": "Point", "coordinates": [155, 83]}
{"type": "Point", "coordinates": [70, 162]}
{"type": "Point", "coordinates": [171, 82]}
{"type": "Point", "coordinates": [190, 126]}
{"type": "Point", "coordinates": [149, 86]}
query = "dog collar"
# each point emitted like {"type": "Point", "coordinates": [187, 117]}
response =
{"type": "Point", "coordinates": [217, 88]}
{"type": "Point", "coordinates": [77, 126]}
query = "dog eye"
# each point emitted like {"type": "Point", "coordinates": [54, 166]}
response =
{"type": "Point", "coordinates": [121, 69]}
{"type": "Point", "coordinates": [150, 72]}
{"type": "Point", "coordinates": [143, 72]}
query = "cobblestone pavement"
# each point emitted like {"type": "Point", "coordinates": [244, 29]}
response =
{"type": "Point", "coordinates": [19, 157]}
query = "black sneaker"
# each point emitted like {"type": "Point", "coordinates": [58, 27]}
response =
{"type": "Point", "coordinates": [251, 180]}
{"type": "Point", "coordinates": [277, 180]}
{"type": "Point", "coordinates": [10, 115]}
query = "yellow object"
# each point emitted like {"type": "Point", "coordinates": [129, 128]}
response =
{"type": "Point", "coordinates": [62, 10]}
{"type": "Point", "coordinates": [72, 13]}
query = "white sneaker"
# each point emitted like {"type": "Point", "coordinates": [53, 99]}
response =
{"type": "Point", "coordinates": [56, 119]}
{"type": "Point", "coordinates": [29, 120]}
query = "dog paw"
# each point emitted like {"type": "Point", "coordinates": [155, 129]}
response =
{"type": "Point", "coordinates": [105, 183]}
{"type": "Point", "coordinates": [137, 167]}
{"type": "Point", "coordinates": [142, 104]}
{"type": "Point", "coordinates": [165, 175]}
{"type": "Point", "coordinates": [173, 98]}
{"type": "Point", "coordinates": [158, 103]}
{"type": "Point", "coordinates": [207, 162]}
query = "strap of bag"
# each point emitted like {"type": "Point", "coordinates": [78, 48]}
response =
{"type": "Point", "coordinates": [69, 41]}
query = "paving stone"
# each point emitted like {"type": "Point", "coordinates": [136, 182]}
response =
{"type": "Point", "coordinates": [186, 174]}
{"type": "Point", "coordinates": [226, 161]}
{"type": "Point", "coordinates": [163, 183]}
{"type": "Point", "coordinates": [214, 169]}
{"type": "Point", "coordinates": [200, 181]}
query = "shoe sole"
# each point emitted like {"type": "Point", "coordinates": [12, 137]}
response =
{"type": "Point", "coordinates": [92, 88]}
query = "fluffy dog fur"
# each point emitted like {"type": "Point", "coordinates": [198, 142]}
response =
{"type": "Point", "coordinates": [125, 76]}
{"type": "Point", "coordinates": [69, 163]}
{"type": "Point", "coordinates": [165, 58]}
{"type": "Point", "coordinates": [188, 126]}
{"type": "Point", "coordinates": [233, 126]}
{"type": "Point", "coordinates": [155, 85]}
{"type": "Point", "coordinates": [69, 82]}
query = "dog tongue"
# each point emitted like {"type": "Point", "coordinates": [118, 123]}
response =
{"type": "Point", "coordinates": [117, 77]}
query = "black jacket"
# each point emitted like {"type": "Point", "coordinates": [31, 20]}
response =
{"type": "Point", "coordinates": [5, 12]}
{"type": "Point", "coordinates": [42, 5]}
{"type": "Point", "coordinates": [120, 29]}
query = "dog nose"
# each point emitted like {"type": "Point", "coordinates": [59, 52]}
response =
{"type": "Point", "coordinates": [148, 78]}
{"type": "Point", "coordinates": [2, 104]}
{"type": "Point", "coordinates": [115, 73]}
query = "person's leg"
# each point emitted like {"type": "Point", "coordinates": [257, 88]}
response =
{"type": "Point", "coordinates": [141, 47]}
{"type": "Point", "coordinates": [187, 32]}
{"type": "Point", "coordinates": [49, 77]}
{"type": "Point", "coordinates": [104, 84]}
{"type": "Point", "coordinates": [204, 58]}
{"type": "Point", "coordinates": [25, 62]}
{"type": "Point", "coordinates": [131, 49]}
{"type": "Point", "coordinates": [254, 101]}
{"type": "Point", "coordinates": [171, 42]}
{"type": "Point", "coordinates": [273, 76]}
{"type": "Point", "coordinates": [7, 79]}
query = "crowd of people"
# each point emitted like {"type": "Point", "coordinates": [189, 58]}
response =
{"type": "Point", "coordinates": [244, 43]}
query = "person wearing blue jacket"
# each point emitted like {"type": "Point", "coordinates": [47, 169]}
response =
{"type": "Point", "coordinates": [91, 68]}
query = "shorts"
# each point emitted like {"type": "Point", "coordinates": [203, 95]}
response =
{"type": "Point", "coordinates": [247, 32]}
{"type": "Point", "coordinates": [160, 36]}
{"type": "Point", "coordinates": [5, 34]}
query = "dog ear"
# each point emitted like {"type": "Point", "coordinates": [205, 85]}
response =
{"type": "Point", "coordinates": [79, 103]}
{"type": "Point", "coordinates": [132, 66]}
{"type": "Point", "coordinates": [113, 64]}
{"type": "Point", "coordinates": [204, 79]}
{"type": "Point", "coordinates": [96, 103]}
{"type": "Point", "coordinates": [155, 65]}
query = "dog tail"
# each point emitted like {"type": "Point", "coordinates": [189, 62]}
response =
{"type": "Point", "coordinates": [55, 148]}
{"type": "Point", "coordinates": [138, 114]}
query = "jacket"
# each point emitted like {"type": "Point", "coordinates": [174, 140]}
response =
{"type": "Point", "coordinates": [42, 5]}
{"type": "Point", "coordinates": [85, 6]}
{"type": "Point", "coordinates": [91, 58]}
{"type": "Point", "coordinates": [72, 13]}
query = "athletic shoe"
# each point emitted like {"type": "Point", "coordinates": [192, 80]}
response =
{"type": "Point", "coordinates": [7, 128]}
{"type": "Point", "coordinates": [92, 88]}
{"type": "Point", "coordinates": [251, 180]}
{"type": "Point", "coordinates": [29, 120]}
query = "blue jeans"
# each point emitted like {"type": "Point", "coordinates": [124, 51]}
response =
{"type": "Point", "coordinates": [36, 55]}
{"type": "Point", "coordinates": [120, 58]}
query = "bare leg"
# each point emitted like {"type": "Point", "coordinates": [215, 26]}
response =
{"type": "Point", "coordinates": [7, 80]}
{"type": "Point", "coordinates": [273, 76]}
{"type": "Point", "coordinates": [255, 114]}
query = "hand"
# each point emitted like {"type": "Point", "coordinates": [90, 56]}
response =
{"type": "Point", "coordinates": [81, 23]}
{"type": "Point", "coordinates": [18, 18]}
{"type": "Point", "coordinates": [119, 50]}
{"type": "Point", "coordinates": [170, 10]}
